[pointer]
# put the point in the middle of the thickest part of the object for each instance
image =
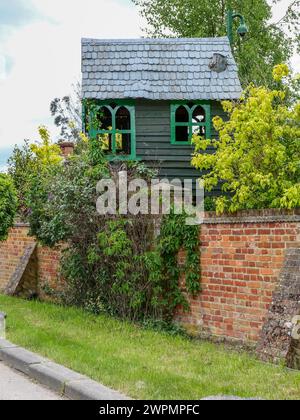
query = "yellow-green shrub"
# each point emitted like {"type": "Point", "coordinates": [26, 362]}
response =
{"type": "Point", "coordinates": [257, 155]}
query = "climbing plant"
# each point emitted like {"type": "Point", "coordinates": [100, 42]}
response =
{"type": "Point", "coordinates": [114, 263]}
{"type": "Point", "coordinates": [175, 237]}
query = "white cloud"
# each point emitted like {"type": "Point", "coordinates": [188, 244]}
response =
{"type": "Point", "coordinates": [46, 59]}
{"type": "Point", "coordinates": [2, 67]}
{"type": "Point", "coordinates": [17, 12]}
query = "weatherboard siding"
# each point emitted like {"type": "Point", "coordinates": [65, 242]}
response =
{"type": "Point", "coordinates": [153, 140]}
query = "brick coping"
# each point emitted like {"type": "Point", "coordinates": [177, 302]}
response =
{"type": "Point", "coordinates": [244, 216]}
{"type": "Point", "coordinates": [253, 216]}
{"type": "Point", "coordinates": [21, 224]}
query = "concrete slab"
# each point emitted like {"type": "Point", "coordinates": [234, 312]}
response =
{"type": "Point", "coordinates": [53, 376]}
{"type": "Point", "coordinates": [6, 344]}
{"type": "Point", "coordinates": [20, 359]}
{"type": "Point", "coordinates": [87, 390]}
{"type": "Point", "coordinates": [14, 386]}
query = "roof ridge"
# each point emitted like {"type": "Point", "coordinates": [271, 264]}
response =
{"type": "Point", "coordinates": [155, 40]}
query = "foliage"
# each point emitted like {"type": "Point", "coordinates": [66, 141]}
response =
{"type": "Point", "coordinates": [45, 152]}
{"type": "Point", "coordinates": [28, 163]}
{"type": "Point", "coordinates": [280, 71]}
{"type": "Point", "coordinates": [93, 114]}
{"type": "Point", "coordinates": [174, 237]}
{"type": "Point", "coordinates": [266, 45]}
{"type": "Point", "coordinates": [21, 166]}
{"type": "Point", "coordinates": [257, 157]}
{"type": "Point", "coordinates": [55, 197]}
{"type": "Point", "coordinates": [67, 116]}
{"type": "Point", "coordinates": [142, 363]}
{"type": "Point", "coordinates": [210, 203]}
{"type": "Point", "coordinates": [112, 263]}
{"type": "Point", "coordinates": [8, 205]}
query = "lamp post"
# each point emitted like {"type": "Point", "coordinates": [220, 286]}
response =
{"type": "Point", "coordinates": [2, 325]}
{"type": "Point", "coordinates": [242, 29]}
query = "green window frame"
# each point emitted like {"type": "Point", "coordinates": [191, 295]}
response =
{"type": "Point", "coordinates": [94, 132]}
{"type": "Point", "coordinates": [190, 124]}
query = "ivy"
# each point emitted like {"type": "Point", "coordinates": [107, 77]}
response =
{"type": "Point", "coordinates": [176, 236]}
{"type": "Point", "coordinates": [92, 109]}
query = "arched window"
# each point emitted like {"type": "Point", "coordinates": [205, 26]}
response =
{"type": "Point", "coordinates": [182, 117]}
{"type": "Point", "coordinates": [123, 122]}
{"type": "Point", "coordinates": [189, 119]}
{"type": "Point", "coordinates": [105, 118]}
{"type": "Point", "coordinates": [182, 114]}
{"type": "Point", "coordinates": [123, 119]}
{"type": "Point", "coordinates": [199, 115]}
{"type": "Point", "coordinates": [115, 130]}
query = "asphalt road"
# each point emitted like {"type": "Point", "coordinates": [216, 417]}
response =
{"type": "Point", "coordinates": [15, 386]}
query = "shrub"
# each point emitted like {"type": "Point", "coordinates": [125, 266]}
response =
{"type": "Point", "coordinates": [8, 205]}
{"type": "Point", "coordinates": [257, 155]}
{"type": "Point", "coordinates": [112, 263]}
{"type": "Point", "coordinates": [27, 165]}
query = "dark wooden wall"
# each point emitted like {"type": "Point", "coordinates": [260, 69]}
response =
{"type": "Point", "coordinates": [153, 140]}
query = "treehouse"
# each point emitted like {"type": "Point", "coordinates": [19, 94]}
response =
{"type": "Point", "coordinates": [149, 96]}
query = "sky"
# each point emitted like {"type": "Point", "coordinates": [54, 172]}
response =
{"type": "Point", "coordinates": [40, 47]}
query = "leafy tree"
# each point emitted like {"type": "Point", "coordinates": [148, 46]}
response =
{"type": "Point", "coordinates": [67, 114]}
{"type": "Point", "coordinates": [265, 46]}
{"type": "Point", "coordinates": [21, 166]}
{"type": "Point", "coordinates": [257, 155]}
{"type": "Point", "coordinates": [8, 205]}
{"type": "Point", "coordinates": [28, 163]}
{"type": "Point", "coordinates": [45, 152]}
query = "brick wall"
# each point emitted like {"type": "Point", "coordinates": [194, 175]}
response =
{"type": "Point", "coordinates": [278, 341]}
{"type": "Point", "coordinates": [11, 252]}
{"type": "Point", "coordinates": [44, 264]}
{"type": "Point", "coordinates": [48, 270]}
{"type": "Point", "coordinates": [241, 259]}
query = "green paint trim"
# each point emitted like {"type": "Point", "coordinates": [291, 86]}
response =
{"type": "Point", "coordinates": [206, 105]}
{"type": "Point", "coordinates": [83, 110]}
{"type": "Point", "coordinates": [130, 106]}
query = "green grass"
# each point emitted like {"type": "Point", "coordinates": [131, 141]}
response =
{"type": "Point", "coordinates": [142, 363]}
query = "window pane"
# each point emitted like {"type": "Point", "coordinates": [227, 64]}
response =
{"type": "Point", "coordinates": [182, 115]}
{"type": "Point", "coordinates": [182, 133]}
{"type": "Point", "coordinates": [123, 143]}
{"type": "Point", "coordinates": [105, 119]}
{"type": "Point", "coordinates": [105, 141]}
{"type": "Point", "coordinates": [123, 119]}
{"type": "Point", "coordinates": [199, 115]}
{"type": "Point", "coordinates": [199, 131]}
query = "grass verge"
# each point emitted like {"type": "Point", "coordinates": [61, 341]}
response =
{"type": "Point", "coordinates": [142, 363]}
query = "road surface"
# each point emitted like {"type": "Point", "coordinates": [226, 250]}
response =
{"type": "Point", "coordinates": [16, 386]}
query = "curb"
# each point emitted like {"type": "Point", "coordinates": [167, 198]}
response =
{"type": "Point", "coordinates": [59, 379]}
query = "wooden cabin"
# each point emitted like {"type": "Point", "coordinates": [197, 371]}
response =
{"type": "Point", "coordinates": [154, 94]}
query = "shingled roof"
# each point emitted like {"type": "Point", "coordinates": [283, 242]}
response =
{"type": "Point", "coordinates": [158, 69]}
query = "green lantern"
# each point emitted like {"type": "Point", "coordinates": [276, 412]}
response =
{"type": "Point", "coordinates": [242, 29]}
